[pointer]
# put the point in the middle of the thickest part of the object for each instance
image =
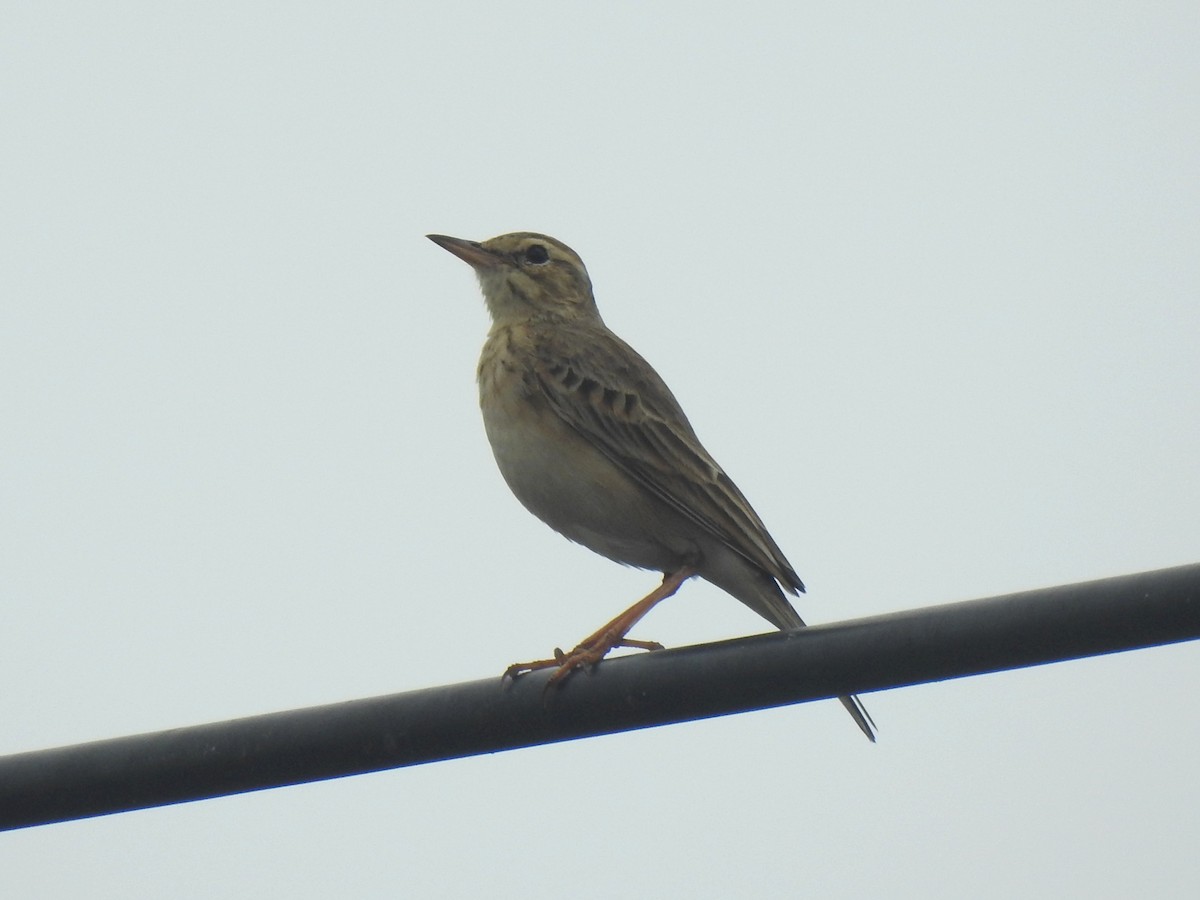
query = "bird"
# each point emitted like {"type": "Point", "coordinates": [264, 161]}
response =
{"type": "Point", "coordinates": [592, 441]}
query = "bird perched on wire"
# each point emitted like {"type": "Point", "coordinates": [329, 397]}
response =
{"type": "Point", "coordinates": [593, 443]}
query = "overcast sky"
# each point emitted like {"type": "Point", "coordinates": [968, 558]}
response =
{"type": "Point", "coordinates": [925, 277]}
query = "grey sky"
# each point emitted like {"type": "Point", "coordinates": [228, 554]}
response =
{"type": "Point", "coordinates": [925, 280]}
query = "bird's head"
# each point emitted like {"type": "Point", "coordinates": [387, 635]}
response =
{"type": "Point", "coordinates": [526, 276]}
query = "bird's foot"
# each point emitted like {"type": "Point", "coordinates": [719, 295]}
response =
{"type": "Point", "coordinates": [639, 645]}
{"type": "Point", "coordinates": [585, 655]}
{"type": "Point", "coordinates": [595, 647]}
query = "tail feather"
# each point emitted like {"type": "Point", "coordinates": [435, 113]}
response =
{"type": "Point", "coordinates": [861, 717]}
{"type": "Point", "coordinates": [761, 592]}
{"type": "Point", "coordinates": [784, 616]}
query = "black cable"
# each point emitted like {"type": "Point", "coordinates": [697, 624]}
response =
{"type": "Point", "coordinates": [667, 686]}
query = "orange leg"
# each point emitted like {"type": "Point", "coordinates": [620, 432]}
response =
{"type": "Point", "coordinates": [595, 647]}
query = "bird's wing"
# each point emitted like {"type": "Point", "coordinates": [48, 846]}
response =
{"type": "Point", "coordinates": [608, 394]}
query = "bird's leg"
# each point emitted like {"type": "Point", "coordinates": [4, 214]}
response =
{"type": "Point", "coordinates": [595, 647]}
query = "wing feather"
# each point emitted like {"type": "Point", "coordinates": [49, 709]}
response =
{"type": "Point", "coordinates": [612, 398]}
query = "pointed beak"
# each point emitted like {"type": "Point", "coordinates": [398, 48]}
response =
{"type": "Point", "coordinates": [471, 252]}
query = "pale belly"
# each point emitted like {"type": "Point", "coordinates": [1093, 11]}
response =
{"type": "Point", "coordinates": [572, 487]}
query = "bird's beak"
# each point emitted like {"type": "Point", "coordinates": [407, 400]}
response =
{"type": "Point", "coordinates": [471, 252]}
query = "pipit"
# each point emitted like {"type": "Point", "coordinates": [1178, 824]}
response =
{"type": "Point", "coordinates": [593, 443]}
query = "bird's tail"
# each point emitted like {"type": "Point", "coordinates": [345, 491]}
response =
{"type": "Point", "coordinates": [785, 617]}
{"type": "Point", "coordinates": [761, 592]}
{"type": "Point", "coordinates": [861, 717]}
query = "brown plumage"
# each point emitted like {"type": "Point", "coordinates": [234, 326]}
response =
{"type": "Point", "coordinates": [592, 441]}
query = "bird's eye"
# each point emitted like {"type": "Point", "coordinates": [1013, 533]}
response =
{"type": "Point", "coordinates": [537, 254]}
